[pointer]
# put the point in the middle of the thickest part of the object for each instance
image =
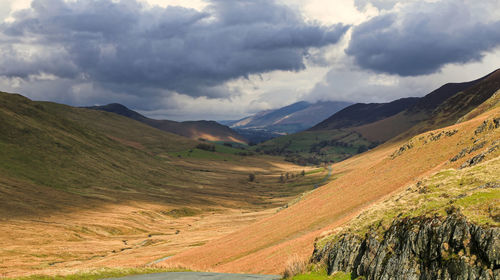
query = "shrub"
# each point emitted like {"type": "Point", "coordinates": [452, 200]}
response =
{"type": "Point", "coordinates": [251, 177]}
{"type": "Point", "coordinates": [294, 266]}
{"type": "Point", "coordinates": [206, 147]}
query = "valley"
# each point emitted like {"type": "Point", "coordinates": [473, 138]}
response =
{"type": "Point", "coordinates": [249, 139]}
{"type": "Point", "coordinates": [82, 189]}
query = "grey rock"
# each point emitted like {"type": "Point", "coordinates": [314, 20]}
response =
{"type": "Point", "coordinates": [418, 248]}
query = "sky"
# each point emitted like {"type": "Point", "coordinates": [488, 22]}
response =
{"type": "Point", "coordinates": [226, 59]}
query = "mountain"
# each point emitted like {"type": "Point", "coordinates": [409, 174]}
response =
{"type": "Point", "coordinates": [419, 204]}
{"type": "Point", "coordinates": [359, 127]}
{"type": "Point", "coordinates": [289, 119]}
{"type": "Point", "coordinates": [444, 106]}
{"type": "Point", "coordinates": [208, 130]}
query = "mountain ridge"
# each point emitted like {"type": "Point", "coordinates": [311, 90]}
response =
{"type": "Point", "coordinates": [361, 126]}
{"type": "Point", "coordinates": [208, 130]}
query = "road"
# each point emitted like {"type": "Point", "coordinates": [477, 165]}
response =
{"type": "Point", "coordinates": [198, 276]}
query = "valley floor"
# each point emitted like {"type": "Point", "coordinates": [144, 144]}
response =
{"type": "Point", "coordinates": [133, 228]}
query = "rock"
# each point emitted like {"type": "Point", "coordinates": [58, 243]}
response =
{"type": "Point", "coordinates": [418, 248]}
{"type": "Point", "coordinates": [473, 161]}
{"type": "Point", "coordinates": [460, 155]}
{"type": "Point", "coordinates": [489, 124]}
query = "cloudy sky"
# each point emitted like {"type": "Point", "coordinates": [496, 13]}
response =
{"type": "Point", "coordinates": [225, 59]}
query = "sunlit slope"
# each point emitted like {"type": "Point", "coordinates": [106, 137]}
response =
{"type": "Point", "coordinates": [362, 180]}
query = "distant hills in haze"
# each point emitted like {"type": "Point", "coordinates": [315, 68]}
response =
{"type": "Point", "coordinates": [208, 130]}
{"type": "Point", "coordinates": [290, 119]}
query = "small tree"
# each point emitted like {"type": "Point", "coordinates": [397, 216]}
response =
{"type": "Point", "coordinates": [282, 178]}
{"type": "Point", "coordinates": [251, 177]}
{"type": "Point", "coordinates": [303, 173]}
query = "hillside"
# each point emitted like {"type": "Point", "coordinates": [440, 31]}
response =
{"type": "Point", "coordinates": [441, 107]}
{"type": "Point", "coordinates": [359, 114]}
{"type": "Point", "coordinates": [368, 125]}
{"type": "Point", "coordinates": [208, 130]}
{"type": "Point", "coordinates": [360, 182]}
{"type": "Point", "coordinates": [83, 188]}
{"type": "Point", "coordinates": [289, 119]}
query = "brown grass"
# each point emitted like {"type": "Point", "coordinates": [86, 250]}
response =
{"type": "Point", "coordinates": [294, 266]}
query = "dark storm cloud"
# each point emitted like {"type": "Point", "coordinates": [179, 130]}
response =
{"type": "Point", "coordinates": [174, 48]}
{"type": "Point", "coordinates": [422, 37]}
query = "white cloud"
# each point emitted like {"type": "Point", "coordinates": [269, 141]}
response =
{"type": "Point", "coordinates": [351, 83]}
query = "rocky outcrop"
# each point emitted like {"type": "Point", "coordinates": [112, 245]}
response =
{"type": "Point", "coordinates": [418, 248]}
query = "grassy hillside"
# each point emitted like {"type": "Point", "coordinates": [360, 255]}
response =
{"type": "Point", "coordinates": [82, 188]}
{"type": "Point", "coordinates": [360, 113]}
{"type": "Point", "coordinates": [41, 144]}
{"type": "Point", "coordinates": [360, 182]}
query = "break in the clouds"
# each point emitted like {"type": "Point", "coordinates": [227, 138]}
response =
{"type": "Point", "coordinates": [128, 46]}
{"type": "Point", "coordinates": [421, 37]}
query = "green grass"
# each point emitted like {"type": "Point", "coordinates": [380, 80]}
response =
{"type": "Point", "coordinates": [100, 274]}
{"type": "Point", "coordinates": [222, 153]}
{"type": "Point", "coordinates": [314, 171]}
{"type": "Point", "coordinates": [202, 154]}
{"type": "Point", "coordinates": [65, 147]}
{"type": "Point", "coordinates": [315, 147]}
{"type": "Point", "coordinates": [235, 145]}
